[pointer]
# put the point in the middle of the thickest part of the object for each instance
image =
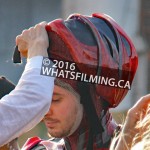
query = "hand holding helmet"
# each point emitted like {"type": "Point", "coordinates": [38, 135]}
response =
{"type": "Point", "coordinates": [33, 42]}
{"type": "Point", "coordinates": [94, 42]}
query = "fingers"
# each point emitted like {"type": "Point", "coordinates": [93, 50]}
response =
{"type": "Point", "coordinates": [40, 26]}
{"type": "Point", "coordinates": [24, 34]}
{"type": "Point", "coordinates": [143, 103]}
{"type": "Point", "coordinates": [22, 45]}
{"type": "Point", "coordinates": [34, 38]}
{"type": "Point", "coordinates": [44, 23]}
{"type": "Point", "coordinates": [136, 115]}
{"type": "Point", "coordinates": [139, 110]}
{"type": "Point", "coordinates": [148, 109]}
{"type": "Point", "coordinates": [21, 41]}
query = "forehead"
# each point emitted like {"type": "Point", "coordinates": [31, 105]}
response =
{"type": "Point", "coordinates": [59, 91]}
{"type": "Point", "coordinates": [64, 88]}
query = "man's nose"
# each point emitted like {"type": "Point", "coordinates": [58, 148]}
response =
{"type": "Point", "coordinates": [50, 112]}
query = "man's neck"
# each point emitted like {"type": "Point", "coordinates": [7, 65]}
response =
{"type": "Point", "coordinates": [80, 138]}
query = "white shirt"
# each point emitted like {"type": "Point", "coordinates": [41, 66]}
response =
{"type": "Point", "coordinates": [26, 105]}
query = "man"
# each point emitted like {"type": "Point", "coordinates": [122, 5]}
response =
{"type": "Point", "coordinates": [79, 112]}
{"type": "Point", "coordinates": [27, 104]}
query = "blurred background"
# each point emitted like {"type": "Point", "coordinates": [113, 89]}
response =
{"type": "Point", "coordinates": [132, 15]}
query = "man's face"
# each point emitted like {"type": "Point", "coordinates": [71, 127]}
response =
{"type": "Point", "coordinates": [65, 113]}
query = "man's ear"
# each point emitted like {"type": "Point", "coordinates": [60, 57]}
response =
{"type": "Point", "coordinates": [6, 86]}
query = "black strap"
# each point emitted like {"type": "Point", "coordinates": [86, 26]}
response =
{"type": "Point", "coordinates": [93, 119]}
{"type": "Point", "coordinates": [16, 56]}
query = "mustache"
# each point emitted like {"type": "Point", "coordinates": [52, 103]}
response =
{"type": "Point", "coordinates": [50, 119]}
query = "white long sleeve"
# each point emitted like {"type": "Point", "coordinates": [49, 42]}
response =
{"type": "Point", "coordinates": [26, 105]}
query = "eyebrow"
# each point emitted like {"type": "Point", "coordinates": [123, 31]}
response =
{"type": "Point", "coordinates": [58, 94]}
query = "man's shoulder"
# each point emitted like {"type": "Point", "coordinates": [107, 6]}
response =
{"type": "Point", "coordinates": [35, 143]}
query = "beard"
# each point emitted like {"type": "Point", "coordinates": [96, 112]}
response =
{"type": "Point", "coordinates": [60, 132]}
{"type": "Point", "coordinates": [66, 127]}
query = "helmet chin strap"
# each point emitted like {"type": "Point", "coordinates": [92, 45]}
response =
{"type": "Point", "coordinates": [93, 119]}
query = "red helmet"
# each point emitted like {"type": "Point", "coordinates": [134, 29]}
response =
{"type": "Point", "coordinates": [98, 46]}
